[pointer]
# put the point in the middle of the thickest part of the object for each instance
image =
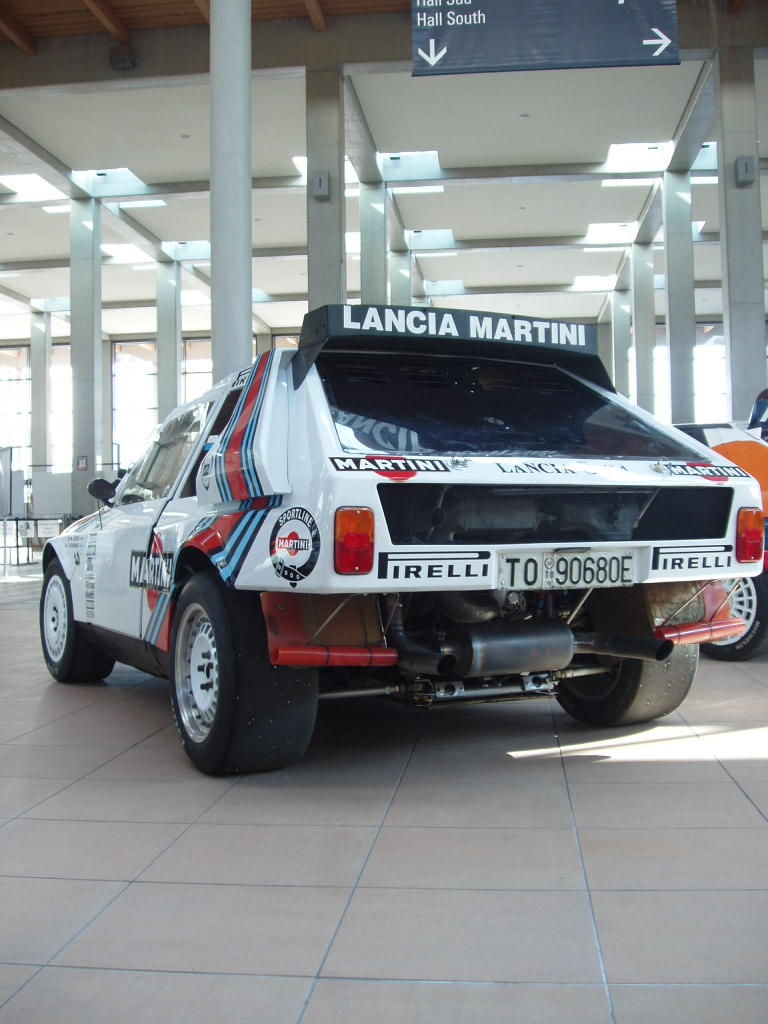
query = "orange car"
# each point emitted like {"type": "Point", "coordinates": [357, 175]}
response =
{"type": "Point", "coordinates": [749, 599]}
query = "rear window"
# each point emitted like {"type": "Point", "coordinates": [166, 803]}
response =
{"type": "Point", "coordinates": [457, 405]}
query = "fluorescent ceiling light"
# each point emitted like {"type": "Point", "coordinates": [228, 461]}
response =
{"type": "Point", "coordinates": [628, 182]}
{"type": "Point", "coordinates": [193, 297]}
{"type": "Point", "coordinates": [414, 189]}
{"type": "Point", "coordinates": [704, 179]}
{"type": "Point", "coordinates": [300, 163]}
{"type": "Point", "coordinates": [615, 234]}
{"type": "Point", "coordinates": [594, 283]}
{"type": "Point", "coordinates": [30, 188]}
{"type": "Point", "coordinates": [126, 253]}
{"type": "Point", "coordinates": [136, 204]}
{"type": "Point", "coordinates": [639, 156]}
{"type": "Point", "coordinates": [59, 208]}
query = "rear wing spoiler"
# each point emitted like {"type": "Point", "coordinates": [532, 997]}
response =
{"type": "Point", "coordinates": [450, 331]}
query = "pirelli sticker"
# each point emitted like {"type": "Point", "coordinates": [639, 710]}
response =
{"type": "Point", "coordinates": [671, 558]}
{"type": "Point", "coordinates": [435, 566]}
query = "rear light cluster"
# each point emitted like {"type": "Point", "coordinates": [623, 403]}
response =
{"type": "Point", "coordinates": [353, 541]}
{"type": "Point", "coordinates": [750, 531]}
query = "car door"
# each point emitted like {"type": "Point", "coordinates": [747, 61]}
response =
{"type": "Point", "coordinates": [122, 560]}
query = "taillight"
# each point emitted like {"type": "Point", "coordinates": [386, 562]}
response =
{"type": "Point", "coordinates": [749, 535]}
{"type": "Point", "coordinates": [353, 541]}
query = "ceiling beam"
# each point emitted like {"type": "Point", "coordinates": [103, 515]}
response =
{"type": "Point", "coordinates": [17, 33]}
{"type": "Point", "coordinates": [315, 12]}
{"type": "Point", "coordinates": [110, 20]}
{"type": "Point", "coordinates": [204, 6]}
{"type": "Point", "coordinates": [37, 160]}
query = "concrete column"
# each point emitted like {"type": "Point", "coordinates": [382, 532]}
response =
{"type": "Point", "coordinates": [373, 244]}
{"type": "Point", "coordinates": [263, 337]}
{"type": "Point", "coordinates": [168, 338]}
{"type": "Point", "coordinates": [85, 348]}
{"type": "Point", "coordinates": [40, 374]}
{"type": "Point", "coordinates": [679, 283]}
{"type": "Point", "coordinates": [622, 340]}
{"type": "Point", "coordinates": [107, 406]}
{"type": "Point", "coordinates": [643, 322]}
{"type": "Point", "coordinates": [326, 219]}
{"type": "Point", "coordinates": [605, 346]}
{"type": "Point", "coordinates": [400, 279]}
{"type": "Point", "coordinates": [741, 244]}
{"type": "Point", "coordinates": [231, 218]}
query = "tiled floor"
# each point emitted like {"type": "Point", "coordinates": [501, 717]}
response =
{"type": "Point", "coordinates": [466, 864]}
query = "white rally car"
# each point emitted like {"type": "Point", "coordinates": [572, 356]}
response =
{"type": "Point", "coordinates": [428, 504]}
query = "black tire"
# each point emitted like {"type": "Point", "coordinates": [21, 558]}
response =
{"type": "Point", "coordinates": [749, 602]}
{"type": "Point", "coordinates": [70, 656]}
{"type": "Point", "coordinates": [633, 691]}
{"type": "Point", "coordinates": [234, 710]}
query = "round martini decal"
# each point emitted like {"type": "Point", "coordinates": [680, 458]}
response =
{"type": "Point", "coordinates": [295, 545]}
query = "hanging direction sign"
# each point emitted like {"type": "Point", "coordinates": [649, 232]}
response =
{"type": "Point", "coordinates": [453, 37]}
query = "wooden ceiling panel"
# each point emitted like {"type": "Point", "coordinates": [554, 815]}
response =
{"type": "Point", "coordinates": [23, 22]}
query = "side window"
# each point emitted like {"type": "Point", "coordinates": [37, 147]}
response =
{"type": "Point", "coordinates": [223, 417]}
{"type": "Point", "coordinates": [156, 471]}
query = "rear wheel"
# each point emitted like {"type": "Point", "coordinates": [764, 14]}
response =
{"type": "Point", "coordinates": [632, 691]}
{"type": "Point", "coordinates": [749, 602]}
{"type": "Point", "coordinates": [69, 655]}
{"type": "Point", "coordinates": [234, 710]}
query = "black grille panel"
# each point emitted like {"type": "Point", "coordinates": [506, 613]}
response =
{"type": "Point", "coordinates": [432, 514]}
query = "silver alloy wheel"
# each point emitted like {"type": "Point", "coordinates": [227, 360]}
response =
{"type": "Point", "coordinates": [55, 618]}
{"type": "Point", "coordinates": [743, 605]}
{"type": "Point", "coordinates": [197, 673]}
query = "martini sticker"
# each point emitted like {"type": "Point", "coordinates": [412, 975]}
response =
{"type": "Point", "coordinates": [295, 545]}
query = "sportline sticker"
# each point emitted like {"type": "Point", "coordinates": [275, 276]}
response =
{"type": "Point", "coordinates": [392, 466]}
{"type": "Point", "coordinates": [295, 545]}
{"type": "Point", "coordinates": [438, 565]}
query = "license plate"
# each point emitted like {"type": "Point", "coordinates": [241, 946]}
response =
{"type": "Point", "coordinates": [569, 570]}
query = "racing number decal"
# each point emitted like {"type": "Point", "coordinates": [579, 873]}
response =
{"type": "Point", "coordinates": [295, 545]}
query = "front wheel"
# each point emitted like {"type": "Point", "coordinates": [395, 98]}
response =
{"type": "Point", "coordinates": [632, 691]}
{"type": "Point", "coordinates": [749, 601]}
{"type": "Point", "coordinates": [234, 710]}
{"type": "Point", "coordinates": [69, 655]}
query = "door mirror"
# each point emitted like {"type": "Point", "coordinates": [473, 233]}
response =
{"type": "Point", "coordinates": [102, 490]}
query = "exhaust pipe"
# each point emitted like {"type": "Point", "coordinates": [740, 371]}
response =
{"type": "Point", "coordinates": [501, 648]}
{"type": "Point", "coordinates": [612, 645]}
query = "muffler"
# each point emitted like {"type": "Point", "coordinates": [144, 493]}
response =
{"type": "Point", "coordinates": [503, 648]}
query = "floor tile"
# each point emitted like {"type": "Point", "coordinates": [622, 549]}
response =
{"type": "Point", "coordinates": [470, 858]}
{"type": "Point", "coordinates": [267, 799]}
{"type": "Point", "coordinates": [228, 929]}
{"type": "Point", "coordinates": [684, 1004]}
{"type": "Point", "coordinates": [18, 795]}
{"type": "Point", "coordinates": [72, 996]}
{"type": "Point", "coordinates": [426, 935]}
{"type": "Point", "coordinates": [12, 978]}
{"type": "Point", "coordinates": [382, 1002]}
{"type": "Point", "coordinates": [40, 915]}
{"type": "Point", "coordinates": [308, 855]}
{"type": "Point", "coordinates": [480, 806]}
{"type": "Point", "coordinates": [81, 849]}
{"type": "Point", "coordinates": [686, 859]}
{"type": "Point", "coordinates": [708, 805]}
{"type": "Point", "coordinates": [683, 937]}
{"type": "Point", "coordinates": [145, 800]}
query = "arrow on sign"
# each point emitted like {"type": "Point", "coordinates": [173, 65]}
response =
{"type": "Point", "coordinates": [432, 57]}
{"type": "Point", "coordinates": [661, 41]}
